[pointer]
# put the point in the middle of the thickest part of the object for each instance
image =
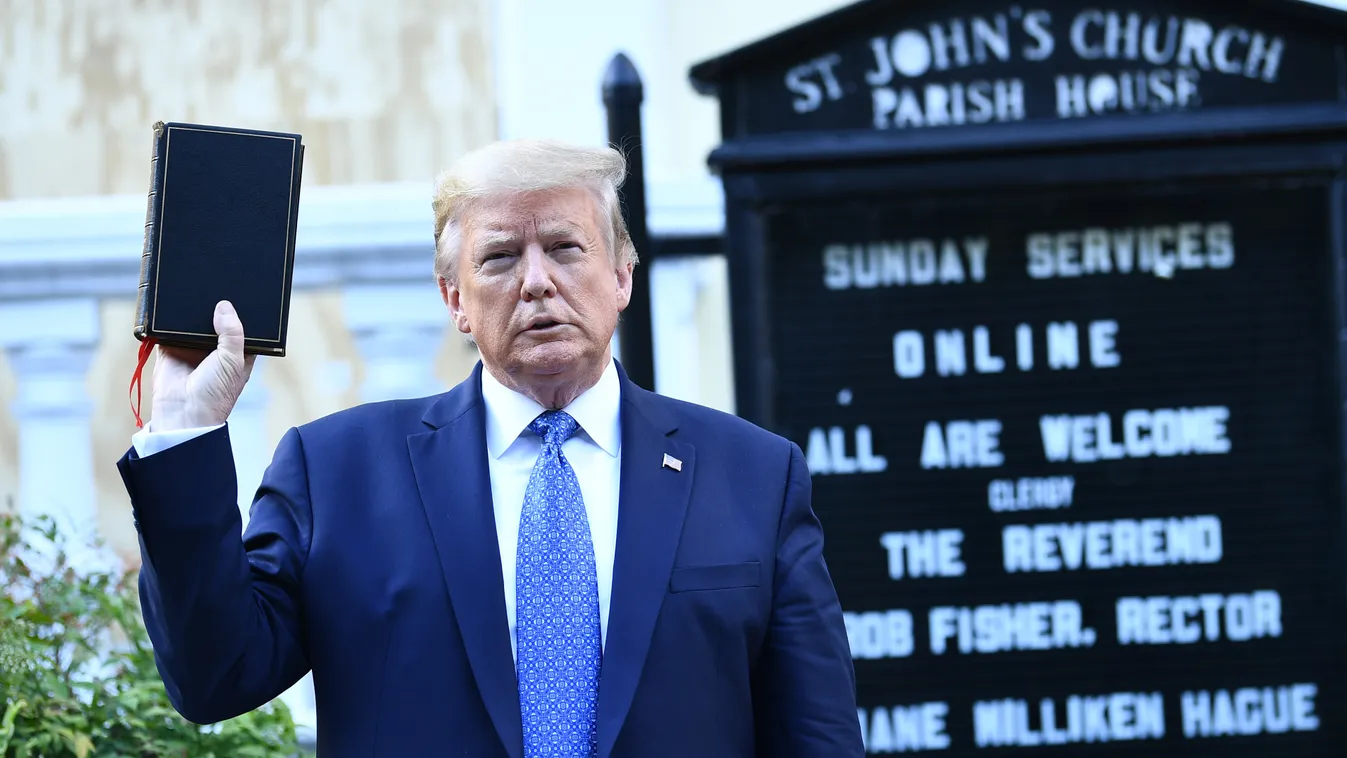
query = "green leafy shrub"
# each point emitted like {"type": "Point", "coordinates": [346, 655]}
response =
{"type": "Point", "coordinates": [77, 673]}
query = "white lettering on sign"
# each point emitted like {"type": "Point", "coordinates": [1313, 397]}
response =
{"type": "Point", "coordinates": [1189, 42]}
{"type": "Point", "coordinates": [826, 452]}
{"type": "Point", "coordinates": [1008, 627]}
{"type": "Point", "coordinates": [929, 553]}
{"type": "Point", "coordinates": [939, 47]}
{"type": "Point", "coordinates": [1117, 717]}
{"type": "Point", "coordinates": [977, 102]}
{"type": "Point", "coordinates": [1103, 545]}
{"type": "Point", "coordinates": [962, 444]}
{"type": "Point", "coordinates": [1161, 433]}
{"type": "Point", "coordinates": [1030, 493]}
{"type": "Point", "coordinates": [812, 80]}
{"type": "Point", "coordinates": [1024, 347]}
{"type": "Point", "coordinates": [1163, 620]}
{"type": "Point", "coordinates": [879, 634]}
{"type": "Point", "coordinates": [1159, 89]}
{"type": "Point", "coordinates": [957, 43]}
{"type": "Point", "coordinates": [1248, 711]}
{"type": "Point", "coordinates": [953, 354]}
{"type": "Point", "coordinates": [1168, 57]}
{"type": "Point", "coordinates": [904, 728]}
{"type": "Point", "coordinates": [1161, 249]}
{"type": "Point", "coordinates": [903, 263]}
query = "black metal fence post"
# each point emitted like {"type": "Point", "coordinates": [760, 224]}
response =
{"type": "Point", "coordinates": [622, 97]}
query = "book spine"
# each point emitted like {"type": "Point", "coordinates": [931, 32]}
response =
{"type": "Point", "coordinates": [151, 244]}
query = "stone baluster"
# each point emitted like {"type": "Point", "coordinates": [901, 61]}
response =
{"type": "Point", "coordinates": [50, 344]}
{"type": "Point", "coordinates": [398, 329]}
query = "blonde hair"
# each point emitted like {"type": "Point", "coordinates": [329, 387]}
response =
{"type": "Point", "coordinates": [529, 165]}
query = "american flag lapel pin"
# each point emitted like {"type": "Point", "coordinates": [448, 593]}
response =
{"type": "Point", "coordinates": [672, 462]}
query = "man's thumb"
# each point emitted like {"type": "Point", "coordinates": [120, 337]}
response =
{"type": "Point", "coordinates": [230, 328]}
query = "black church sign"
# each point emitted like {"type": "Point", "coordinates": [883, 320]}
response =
{"type": "Point", "coordinates": [1051, 295]}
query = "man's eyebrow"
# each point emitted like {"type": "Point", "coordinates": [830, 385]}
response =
{"type": "Point", "coordinates": [559, 228]}
{"type": "Point", "coordinates": [493, 238]}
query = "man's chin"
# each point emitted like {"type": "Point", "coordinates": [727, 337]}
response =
{"type": "Point", "coordinates": [553, 358]}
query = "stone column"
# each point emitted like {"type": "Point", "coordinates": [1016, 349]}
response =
{"type": "Point", "coordinates": [398, 329]}
{"type": "Point", "coordinates": [50, 344]}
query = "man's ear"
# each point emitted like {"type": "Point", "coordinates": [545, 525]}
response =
{"type": "Point", "coordinates": [624, 285]}
{"type": "Point", "coordinates": [453, 300]}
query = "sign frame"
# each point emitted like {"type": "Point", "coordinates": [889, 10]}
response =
{"type": "Point", "coordinates": [761, 172]}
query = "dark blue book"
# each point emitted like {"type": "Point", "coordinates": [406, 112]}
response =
{"type": "Point", "coordinates": [219, 225]}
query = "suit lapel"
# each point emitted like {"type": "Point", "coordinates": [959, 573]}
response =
{"type": "Point", "coordinates": [652, 501]}
{"type": "Point", "coordinates": [451, 471]}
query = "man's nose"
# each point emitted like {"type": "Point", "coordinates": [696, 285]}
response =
{"type": "Point", "coordinates": [537, 272]}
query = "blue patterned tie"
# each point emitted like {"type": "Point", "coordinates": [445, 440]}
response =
{"type": "Point", "coordinates": [556, 605]}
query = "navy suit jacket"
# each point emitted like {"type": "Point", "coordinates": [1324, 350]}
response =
{"type": "Point", "coordinates": [371, 558]}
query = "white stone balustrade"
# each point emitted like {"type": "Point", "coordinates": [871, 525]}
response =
{"type": "Point", "coordinates": [60, 258]}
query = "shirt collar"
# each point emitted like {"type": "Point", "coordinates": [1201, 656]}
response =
{"type": "Point", "coordinates": [596, 410]}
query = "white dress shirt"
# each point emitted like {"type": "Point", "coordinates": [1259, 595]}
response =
{"type": "Point", "coordinates": [594, 452]}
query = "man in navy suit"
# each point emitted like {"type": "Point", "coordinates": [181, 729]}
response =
{"type": "Point", "coordinates": [547, 560]}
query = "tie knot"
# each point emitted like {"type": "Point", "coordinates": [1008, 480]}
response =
{"type": "Point", "coordinates": [555, 427]}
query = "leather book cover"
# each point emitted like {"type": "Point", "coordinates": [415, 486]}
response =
{"type": "Point", "coordinates": [219, 225]}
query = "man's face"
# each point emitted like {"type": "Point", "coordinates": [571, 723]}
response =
{"type": "Point", "coordinates": [537, 288]}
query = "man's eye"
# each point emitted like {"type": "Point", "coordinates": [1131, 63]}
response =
{"type": "Point", "coordinates": [495, 256]}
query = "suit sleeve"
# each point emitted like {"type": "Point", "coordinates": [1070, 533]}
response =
{"type": "Point", "coordinates": [805, 687]}
{"type": "Point", "coordinates": [222, 607]}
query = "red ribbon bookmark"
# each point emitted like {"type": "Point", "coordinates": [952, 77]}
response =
{"type": "Point", "coordinates": [146, 347]}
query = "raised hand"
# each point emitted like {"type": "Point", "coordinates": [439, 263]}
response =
{"type": "Point", "coordinates": [196, 388]}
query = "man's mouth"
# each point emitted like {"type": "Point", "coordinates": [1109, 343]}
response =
{"type": "Point", "coordinates": [543, 326]}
